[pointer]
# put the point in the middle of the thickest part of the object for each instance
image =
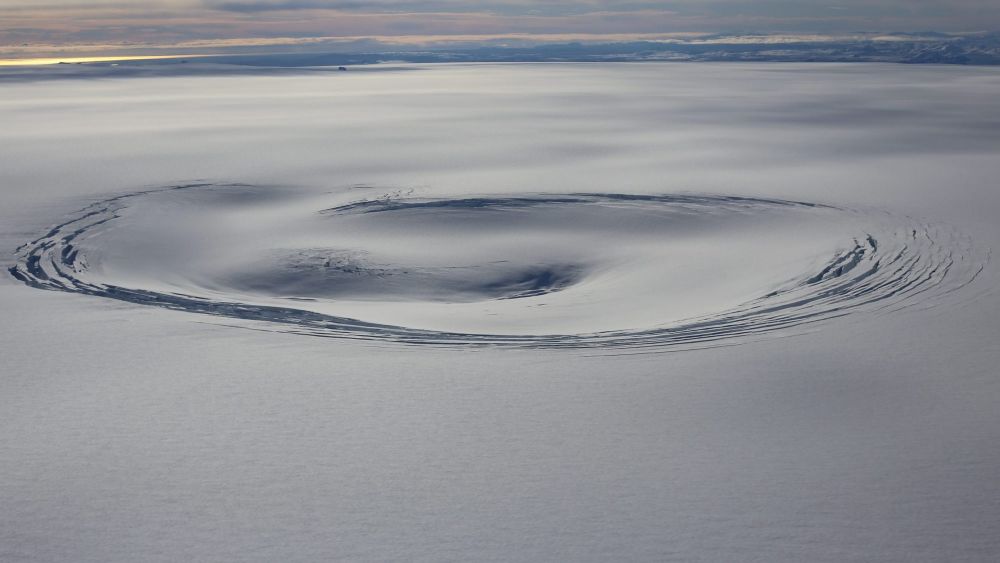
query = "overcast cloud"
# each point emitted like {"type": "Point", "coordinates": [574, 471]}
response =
{"type": "Point", "coordinates": [56, 23]}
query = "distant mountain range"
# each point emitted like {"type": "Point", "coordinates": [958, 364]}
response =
{"type": "Point", "coordinates": [914, 48]}
{"type": "Point", "coordinates": [908, 48]}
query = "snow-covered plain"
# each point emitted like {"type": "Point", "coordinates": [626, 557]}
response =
{"type": "Point", "coordinates": [534, 312]}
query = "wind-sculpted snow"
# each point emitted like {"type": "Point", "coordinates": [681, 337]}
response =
{"type": "Point", "coordinates": [531, 270]}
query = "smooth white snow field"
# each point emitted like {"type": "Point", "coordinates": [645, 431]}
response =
{"type": "Point", "coordinates": [526, 312]}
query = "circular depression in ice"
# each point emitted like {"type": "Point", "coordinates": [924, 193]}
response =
{"type": "Point", "coordinates": [535, 270]}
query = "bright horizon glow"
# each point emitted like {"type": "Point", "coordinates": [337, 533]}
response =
{"type": "Point", "coordinates": [77, 60]}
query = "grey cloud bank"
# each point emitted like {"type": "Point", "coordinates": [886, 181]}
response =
{"type": "Point", "coordinates": [106, 26]}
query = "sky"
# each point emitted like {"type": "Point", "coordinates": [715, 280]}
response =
{"type": "Point", "coordinates": [42, 27]}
